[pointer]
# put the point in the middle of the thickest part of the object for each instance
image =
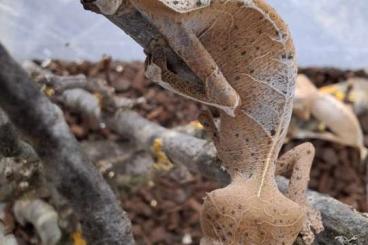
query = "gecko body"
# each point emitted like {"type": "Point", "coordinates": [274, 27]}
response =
{"type": "Point", "coordinates": [243, 56]}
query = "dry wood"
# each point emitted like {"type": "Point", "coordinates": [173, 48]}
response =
{"type": "Point", "coordinates": [103, 221]}
{"type": "Point", "coordinates": [20, 167]}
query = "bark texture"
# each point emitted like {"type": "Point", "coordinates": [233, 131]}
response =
{"type": "Point", "coordinates": [103, 221]}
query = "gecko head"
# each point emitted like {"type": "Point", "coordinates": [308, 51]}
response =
{"type": "Point", "coordinates": [105, 7]}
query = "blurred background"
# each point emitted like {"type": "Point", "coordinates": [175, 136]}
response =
{"type": "Point", "coordinates": [69, 45]}
{"type": "Point", "coordinates": [326, 33]}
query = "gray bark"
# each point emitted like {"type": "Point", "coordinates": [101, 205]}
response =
{"type": "Point", "coordinates": [343, 225]}
{"type": "Point", "coordinates": [20, 169]}
{"type": "Point", "coordinates": [10, 145]}
{"type": "Point", "coordinates": [196, 154]}
{"type": "Point", "coordinates": [103, 221]}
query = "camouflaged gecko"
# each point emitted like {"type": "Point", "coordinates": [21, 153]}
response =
{"type": "Point", "coordinates": [243, 54]}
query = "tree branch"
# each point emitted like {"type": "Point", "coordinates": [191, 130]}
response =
{"type": "Point", "coordinates": [103, 221]}
{"type": "Point", "coordinates": [340, 221]}
{"type": "Point", "coordinates": [196, 154]}
{"type": "Point", "coordinates": [142, 31]}
{"type": "Point", "coordinates": [10, 145]}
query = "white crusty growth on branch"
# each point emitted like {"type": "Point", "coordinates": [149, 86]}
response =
{"type": "Point", "coordinates": [42, 216]}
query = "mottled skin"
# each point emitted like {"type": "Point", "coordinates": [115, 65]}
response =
{"type": "Point", "coordinates": [244, 57]}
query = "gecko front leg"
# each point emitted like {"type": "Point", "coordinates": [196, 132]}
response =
{"type": "Point", "coordinates": [299, 160]}
{"type": "Point", "coordinates": [158, 72]}
{"type": "Point", "coordinates": [215, 90]}
{"type": "Point", "coordinates": [219, 92]}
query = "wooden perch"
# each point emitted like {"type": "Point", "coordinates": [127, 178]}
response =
{"type": "Point", "coordinates": [183, 149]}
{"type": "Point", "coordinates": [340, 221]}
{"type": "Point", "coordinates": [10, 144]}
{"type": "Point", "coordinates": [19, 163]}
{"type": "Point", "coordinates": [103, 221]}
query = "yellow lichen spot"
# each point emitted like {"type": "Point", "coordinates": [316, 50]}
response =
{"type": "Point", "coordinates": [330, 89]}
{"type": "Point", "coordinates": [340, 95]}
{"type": "Point", "coordinates": [78, 238]}
{"type": "Point", "coordinates": [334, 91]}
{"type": "Point", "coordinates": [99, 98]}
{"type": "Point", "coordinates": [196, 124]}
{"type": "Point", "coordinates": [162, 162]}
{"type": "Point", "coordinates": [321, 127]}
{"type": "Point", "coordinates": [47, 90]}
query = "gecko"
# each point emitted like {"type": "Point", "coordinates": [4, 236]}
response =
{"type": "Point", "coordinates": [243, 54]}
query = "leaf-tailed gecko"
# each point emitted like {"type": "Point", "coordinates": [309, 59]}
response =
{"type": "Point", "coordinates": [244, 57]}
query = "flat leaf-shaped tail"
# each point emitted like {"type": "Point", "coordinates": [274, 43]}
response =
{"type": "Point", "coordinates": [254, 50]}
